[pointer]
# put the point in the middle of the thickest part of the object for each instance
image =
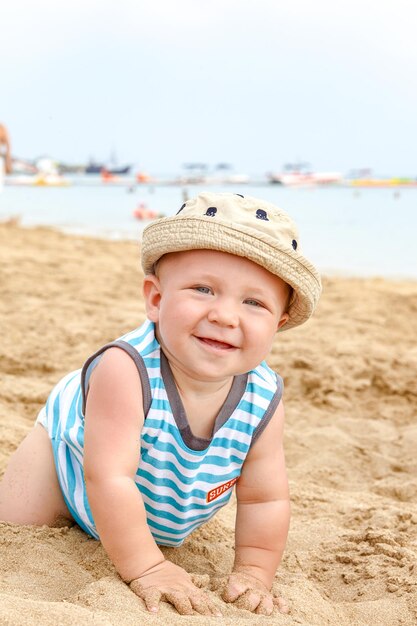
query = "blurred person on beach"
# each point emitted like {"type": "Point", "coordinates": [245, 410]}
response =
{"type": "Point", "coordinates": [5, 150]}
{"type": "Point", "coordinates": [145, 443]}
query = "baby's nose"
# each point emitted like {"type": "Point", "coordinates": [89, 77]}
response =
{"type": "Point", "coordinates": [223, 318]}
{"type": "Point", "coordinates": [223, 314]}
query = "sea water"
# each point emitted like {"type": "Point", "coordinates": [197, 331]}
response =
{"type": "Point", "coordinates": [365, 232]}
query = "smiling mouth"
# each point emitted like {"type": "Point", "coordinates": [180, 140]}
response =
{"type": "Point", "coordinates": [213, 343]}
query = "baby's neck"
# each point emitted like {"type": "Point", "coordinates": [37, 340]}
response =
{"type": "Point", "coordinates": [202, 402]}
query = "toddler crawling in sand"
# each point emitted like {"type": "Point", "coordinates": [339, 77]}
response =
{"type": "Point", "coordinates": [147, 441]}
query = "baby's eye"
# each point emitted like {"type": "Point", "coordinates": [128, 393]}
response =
{"type": "Point", "coordinates": [253, 302]}
{"type": "Point", "coordinates": [203, 289]}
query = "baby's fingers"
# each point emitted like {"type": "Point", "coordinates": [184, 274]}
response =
{"type": "Point", "coordinates": [265, 606]}
{"type": "Point", "coordinates": [233, 590]}
{"type": "Point", "coordinates": [180, 601]}
{"type": "Point", "coordinates": [151, 596]}
{"type": "Point", "coordinates": [203, 605]}
{"type": "Point", "coordinates": [281, 604]}
{"type": "Point", "coordinates": [250, 601]}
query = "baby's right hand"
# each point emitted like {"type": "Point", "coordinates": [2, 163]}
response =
{"type": "Point", "coordinates": [173, 584]}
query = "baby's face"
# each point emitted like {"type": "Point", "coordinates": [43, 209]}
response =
{"type": "Point", "coordinates": [216, 313]}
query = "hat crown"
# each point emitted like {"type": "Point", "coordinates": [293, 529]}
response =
{"type": "Point", "coordinates": [244, 212]}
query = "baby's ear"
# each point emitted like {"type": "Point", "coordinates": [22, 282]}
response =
{"type": "Point", "coordinates": [284, 319]}
{"type": "Point", "coordinates": [152, 296]}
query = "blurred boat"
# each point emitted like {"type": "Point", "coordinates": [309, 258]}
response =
{"type": "Point", "coordinates": [382, 182]}
{"type": "Point", "coordinates": [108, 177]}
{"type": "Point", "coordinates": [298, 174]}
{"type": "Point", "coordinates": [306, 178]}
{"type": "Point", "coordinates": [39, 180]}
{"type": "Point", "coordinates": [50, 180]}
{"type": "Point", "coordinates": [97, 168]}
{"type": "Point", "coordinates": [143, 177]}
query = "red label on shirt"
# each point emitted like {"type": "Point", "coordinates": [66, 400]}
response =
{"type": "Point", "coordinates": [218, 491]}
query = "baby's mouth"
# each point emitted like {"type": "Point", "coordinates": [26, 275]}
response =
{"type": "Point", "coordinates": [220, 345]}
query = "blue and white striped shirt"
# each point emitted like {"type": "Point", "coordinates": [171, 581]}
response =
{"type": "Point", "coordinates": [183, 479]}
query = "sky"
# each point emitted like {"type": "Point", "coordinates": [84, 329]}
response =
{"type": "Point", "coordinates": [256, 83]}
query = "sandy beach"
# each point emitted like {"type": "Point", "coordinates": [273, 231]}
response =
{"type": "Point", "coordinates": [351, 445]}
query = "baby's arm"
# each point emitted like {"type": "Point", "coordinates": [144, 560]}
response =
{"type": "Point", "coordinates": [113, 422]}
{"type": "Point", "coordinates": [262, 521]}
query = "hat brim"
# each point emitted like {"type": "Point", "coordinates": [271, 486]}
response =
{"type": "Point", "coordinates": [179, 234]}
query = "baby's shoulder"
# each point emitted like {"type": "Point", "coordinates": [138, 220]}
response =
{"type": "Point", "coordinates": [265, 376]}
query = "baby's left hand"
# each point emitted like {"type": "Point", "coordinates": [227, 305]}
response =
{"type": "Point", "coordinates": [249, 593]}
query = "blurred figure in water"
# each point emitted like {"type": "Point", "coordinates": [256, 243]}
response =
{"type": "Point", "coordinates": [5, 153]}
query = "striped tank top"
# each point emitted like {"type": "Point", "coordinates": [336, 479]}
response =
{"type": "Point", "coordinates": [183, 479]}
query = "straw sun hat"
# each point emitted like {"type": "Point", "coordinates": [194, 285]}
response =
{"type": "Point", "coordinates": [244, 226]}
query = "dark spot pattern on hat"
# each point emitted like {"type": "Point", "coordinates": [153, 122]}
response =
{"type": "Point", "coordinates": [294, 244]}
{"type": "Point", "coordinates": [262, 215]}
{"type": "Point", "coordinates": [211, 211]}
{"type": "Point", "coordinates": [181, 208]}
{"type": "Point", "coordinates": [239, 194]}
